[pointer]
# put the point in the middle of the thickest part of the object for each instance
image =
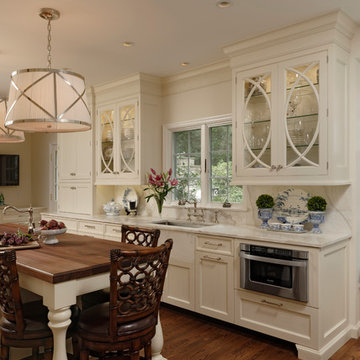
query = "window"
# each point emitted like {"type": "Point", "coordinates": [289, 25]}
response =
{"type": "Point", "coordinates": [202, 161]}
{"type": "Point", "coordinates": [220, 155]}
{"type": "Point", "coordinates": [187, 164]}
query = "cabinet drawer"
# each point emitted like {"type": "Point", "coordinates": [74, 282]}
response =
{"type": "Point", "coordinates": [277, 317]}
{"type": "Point", "coordinates": [113, 232]}
{"type": "Point", "coordinates": [90, 228]}
{"type": "Point", "coordinates": [214, 244]}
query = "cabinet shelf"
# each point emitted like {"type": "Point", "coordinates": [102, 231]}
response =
{"type": "Point", "coordinates": [288, 147]}
{"type": "Point", "coordinates": [302, 116]}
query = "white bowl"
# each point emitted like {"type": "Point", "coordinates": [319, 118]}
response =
{"type": "Point", "coordinates": [49, 236]}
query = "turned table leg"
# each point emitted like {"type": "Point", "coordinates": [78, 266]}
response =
{"type": "Point", "coordinates": [157, 343]}
{"type": "Point", "coordinates": [59, 321]}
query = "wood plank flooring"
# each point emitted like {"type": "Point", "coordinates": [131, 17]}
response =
{"type": "Point", "coordinates": [189, 336]}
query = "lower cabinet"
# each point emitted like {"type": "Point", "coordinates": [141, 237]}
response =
{"type": "Point", "coordinates": [112, 232]}
{"type": "Point", "coordinates": [75, 198]}
{"type": "Point", "coordinates": [214, 285]}
{"type": "Point", "coordinates": [277, 317]}
{"type": "Point", "coordinates": [179, 284]}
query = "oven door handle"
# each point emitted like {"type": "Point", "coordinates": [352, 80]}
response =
{"type": "Point", "coordinates": [296, 263]}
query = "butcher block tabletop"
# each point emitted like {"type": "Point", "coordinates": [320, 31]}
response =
{"type": "Point", "coordinates": [74, 257]}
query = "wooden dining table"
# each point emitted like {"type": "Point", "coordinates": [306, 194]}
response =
{"type": "Point", "coordinates": [76, 265]}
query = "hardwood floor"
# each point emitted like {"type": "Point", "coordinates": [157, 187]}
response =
{"type": "Point", "coordinates": [189, 336]}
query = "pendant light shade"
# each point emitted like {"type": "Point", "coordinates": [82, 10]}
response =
{"type": "Point", "coordinates": [6, 135]}
{"type": "Point", "coordinates": [46, 99]}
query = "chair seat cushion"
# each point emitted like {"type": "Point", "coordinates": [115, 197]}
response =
{"type": "Point", "coordinates": [35, 317]}
{"type": "Point", "coordinates": [93, 324]}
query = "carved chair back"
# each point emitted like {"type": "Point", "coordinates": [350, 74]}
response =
{"type": "Point", "coordinates": [139, 236]}
{"type": "Point", "coordinates": [10, 297]}
{"type": "Point", "coordinates": [136, 283]}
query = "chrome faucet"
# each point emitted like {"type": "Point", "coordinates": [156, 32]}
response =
{"type": "Point", "coordinates": [31, 225]}
{"type": "Point", "coordinates": [195, 213]}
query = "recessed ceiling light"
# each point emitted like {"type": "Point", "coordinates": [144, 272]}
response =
{"type": "Point", "coordinates": [224, 3]}
{"type": "Point", "coordinates": [128, 43]}
{"type": "Point", "coordinates": [185, 63]}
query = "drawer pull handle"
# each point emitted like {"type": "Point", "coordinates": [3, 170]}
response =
{"type": "Point", "coordinates": [271, 303]}
{"type": "Point", "coordinates": [212, 244]}
{"type": "Point", "coordinates": [90, 226]}
{"type": "Point", "coordinates": [73, 188]}
{"type": "Point", "coordinates": [72, 174]}
{"type": "Point", "coordinates": [116, 230]}
{"type": "Point", "coordinates": [207, 257]}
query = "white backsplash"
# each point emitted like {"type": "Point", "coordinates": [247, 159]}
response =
{"type": "Point", "coordinates": [338, 212]}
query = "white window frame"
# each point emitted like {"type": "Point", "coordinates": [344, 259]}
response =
{"type": "Point", "coordinates": [204, 124]}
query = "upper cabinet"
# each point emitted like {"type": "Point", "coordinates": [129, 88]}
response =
{"type": "Point", "coordinates": [75, 156]}
{"type": "Point", "coordinates": [117, 141]}
{"type": "Point", "coordinates": [290, 107]}
{"type": "Point", "coordinates": [128, 130]}
{"type": "Point", "coordinates": [281, 121]}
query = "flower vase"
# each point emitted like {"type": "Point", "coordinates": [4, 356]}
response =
{"type": "Point", "coordinates": [316, 218]}
{"type": "Point", "coordinates": [159, 203]}
{"type": "Point", "coordinates": [265, 215]}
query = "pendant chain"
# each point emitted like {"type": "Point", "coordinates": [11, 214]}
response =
{"type": "Point", "coordinates": [49, 44]}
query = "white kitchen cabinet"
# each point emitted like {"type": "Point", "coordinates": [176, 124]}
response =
{"type": "Point", "coordinates": [179, 283]}
{"type": "Point", "coordinates": [290, 109]}
{"type": "Point", "coordinates": [128, 130]}
{"type": "Point", "coordinates": [112, 232]}
{"type": "Point", "coordinates": [214, 278]}
{"type": "Point", "coordinates": [75, 156]}
{"type": "Point", "coordinates": [117, 155]}
{"type": "Point", "coordinates": [275, 316]}
{"type": "Point", "coordinates": [75, 197]}
{"type": "Point", "coordinates": [281, 119]}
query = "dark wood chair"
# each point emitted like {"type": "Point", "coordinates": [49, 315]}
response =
{"type": "Point", "coordinates": [131, 235]}
{"type": "Point", "coordinates": [139, 235]}
{"type": "Point", "coordinates": [126, 324]}
{"type": "Point", "coordinates": [21, 325]}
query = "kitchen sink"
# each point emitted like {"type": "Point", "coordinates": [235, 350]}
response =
{"type": "Point", "coordinates": [187, 224]}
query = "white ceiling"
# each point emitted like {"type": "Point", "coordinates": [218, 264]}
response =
{"type": "Point", "coordinates": [88, 36]}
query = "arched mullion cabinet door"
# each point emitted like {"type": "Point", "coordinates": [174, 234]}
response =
{"type": "Point", "coordinates": [106, 142]}
{"type": "Point", "coordinates": [128, 138]}
{"type": "Point", "coordinates": [305, 119]}
{"type": "Point", "coordinates": [255, 123]}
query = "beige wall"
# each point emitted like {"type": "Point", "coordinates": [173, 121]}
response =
{"type": "Point", "coordinates": [34, 171]}
{"type": "Point", "coordinates": [197, 94]}
{"type": "Point", "coordinates": [19, 195]}
{"type": "Point", "coordinates": [40, 171]}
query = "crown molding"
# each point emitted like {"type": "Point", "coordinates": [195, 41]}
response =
{"type": "Point", "coordinates": [335, 27]}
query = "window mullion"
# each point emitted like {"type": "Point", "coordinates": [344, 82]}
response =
{"type": "Point", "coordinates": [205, 157]}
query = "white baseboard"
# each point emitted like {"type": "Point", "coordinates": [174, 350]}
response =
{"type": "Point", "coordinates": [306, 353]}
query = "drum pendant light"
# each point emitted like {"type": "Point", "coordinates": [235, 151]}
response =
{"type": "Point", "coordinates": [46, 99]}
{"type": "Point", "coordinates": [6, 135]}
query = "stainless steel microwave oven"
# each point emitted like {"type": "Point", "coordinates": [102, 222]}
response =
{"type": "Point", "coordinates": [275, 271]}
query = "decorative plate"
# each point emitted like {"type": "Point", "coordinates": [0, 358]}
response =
{"type": "Point", "coordinates": [129, 195]}
{"type": "Point", "coordinates": [290, 206]}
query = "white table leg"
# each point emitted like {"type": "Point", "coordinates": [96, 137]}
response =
{"type": "Point", "coordinates": [157, 343]}
{"type": "Point", "coordinates": [59, 321]}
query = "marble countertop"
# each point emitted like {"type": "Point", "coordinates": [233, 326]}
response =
{"type": "Point", "coordinates": [248, 232]}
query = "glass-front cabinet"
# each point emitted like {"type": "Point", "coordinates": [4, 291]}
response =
{"type": "Point", "coordinates": [117, 142]}
{"type": "Point", "coordinates": [280, 118]}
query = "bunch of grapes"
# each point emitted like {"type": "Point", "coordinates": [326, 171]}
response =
{"type": "Point", "coordinates": [51, 225]}
{"type": "Point", "coordinates": [17, 238]}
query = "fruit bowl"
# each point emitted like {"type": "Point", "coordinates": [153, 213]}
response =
{"type": "Point", "coordinates": [49, 236]}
